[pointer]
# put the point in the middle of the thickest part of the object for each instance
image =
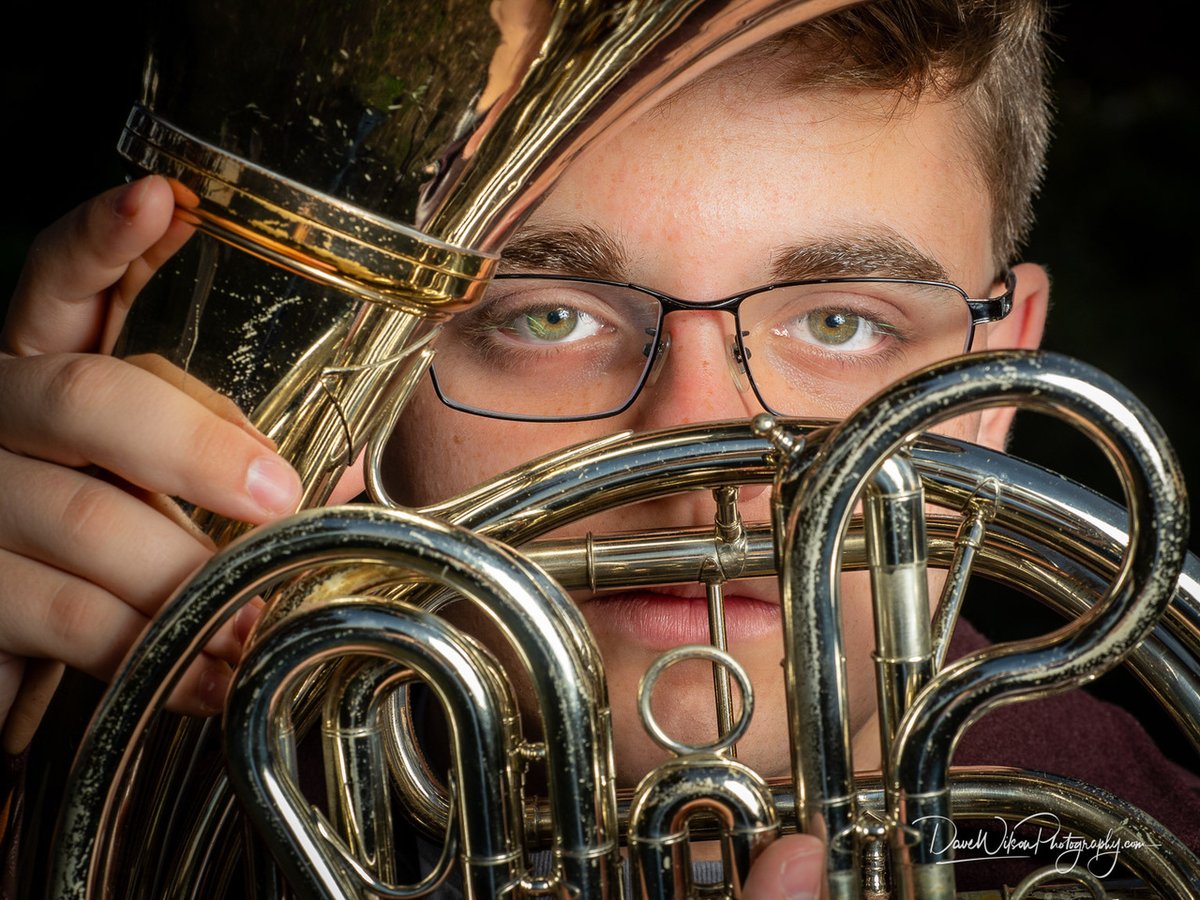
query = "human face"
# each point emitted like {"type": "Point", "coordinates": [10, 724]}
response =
{"type": "Point", "coordinates": [704, 196]}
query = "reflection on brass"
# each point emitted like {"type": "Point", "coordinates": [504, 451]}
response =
{"type": "Point", "coordinates": [313, 234]}
{"type": "Point", "coordinates": [369, 162]}
{"type": "Point", "coordinates": [353, 171]}
{"type": "Point", "coordinates": [1024, 548]}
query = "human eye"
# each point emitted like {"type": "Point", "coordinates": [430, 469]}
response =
{"type": "Point", "coordinates": [837, 321]}
{"type": "Point", "coordinates": [838, 330]}
{"type": "Point", "coordinates": [557, 324]}
{"type": "Point", "coordinates": [548, 325]}
{"type": "Point", "coordinates": [536, 314]}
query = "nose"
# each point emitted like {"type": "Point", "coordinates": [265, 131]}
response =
{"type": "Point", "coordinates": [696, 382]}
{"type": "Point", "coordinates": [696, 377]}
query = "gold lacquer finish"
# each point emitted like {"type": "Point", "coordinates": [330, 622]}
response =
{"type": "Point", "coordinates": [372, 187]}
{"type": "Point", "coordinates": [353, 170]}
{"type": "Point", "coordinates": [315, 235]}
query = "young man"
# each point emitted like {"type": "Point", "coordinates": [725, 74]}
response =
{"type": "Point", "coordinates": [906, 144]}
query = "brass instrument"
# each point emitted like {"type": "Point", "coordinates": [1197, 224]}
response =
{"type": "Point", "coordinates": [369, 213]}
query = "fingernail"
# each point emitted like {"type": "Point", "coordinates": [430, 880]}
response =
{"type": "Point", "coordinates": [127, 203]}
{"type": "Point", "coordinates": [273, 485]}
{"type": "Point", "coordinates": [214, 685]}
{"type": "Point", "coordinates": [801, 875]}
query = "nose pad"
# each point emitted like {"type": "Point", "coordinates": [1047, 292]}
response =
{"type": "Point", "coordinates": [664, 348]}
{"type": "Point", "coordinates": [737, 367]}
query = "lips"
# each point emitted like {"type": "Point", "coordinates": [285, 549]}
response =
{"type": "Point", "coordinates": [658, 620]}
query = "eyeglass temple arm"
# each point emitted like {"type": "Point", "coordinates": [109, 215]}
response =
{"type": "Point", "coordinates": [995, 308]}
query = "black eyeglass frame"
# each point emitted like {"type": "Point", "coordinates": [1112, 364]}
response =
{"type": "Point", "coordinates": [981, 311]}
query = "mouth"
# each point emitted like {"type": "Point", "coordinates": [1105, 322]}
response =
{"type": "Point", "coordinates": [659, 619]}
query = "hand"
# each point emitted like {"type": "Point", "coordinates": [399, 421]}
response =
{"type": "Point", "coordinates": [90, 447]}
{"type": "Point", "coordinates": [789, 869]}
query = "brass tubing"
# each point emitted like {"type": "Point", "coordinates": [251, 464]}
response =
{"type": "Point", "coordinates": [357, 795]}
{"type": "Point", "coordinates": [1056, 540]}
{"type": "Point", "coordinates": [1073, 570]}
{"type": "Point", "coordinates": [572, 693]}
{"type": "Point", "coordinates": [1081, 530]}
{"type": "Point", "coordinates": [644, 558]}
{"type": "Point", "coordinates": [894, 518]}
{"type": "Point", "coordinates": [681, 788]}
{"type": "Point", "coordinates": [966, 544]}
{"type": "Point", "coordinates": [450, 664]}
{"type": "Point", "coordinates": [728, 561]}
{"type": "Point", "coordinates": [426, 803]}
{"type": "Point", "coordinates": [219, 824]}
{"type": "Point", "coordinates": [1085, 529]}
{"type": "Point", "coordinates": [812, 620]}
{"type": "Point", "coordinates": [1093, 643]}
{"type": "Point", "coordinates": [722, 690]}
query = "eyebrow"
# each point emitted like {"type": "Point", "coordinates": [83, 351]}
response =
{"type": "Point", "coordinates": [880, 252]}
{"type": "Point", "coordinates": [581, 251]}
{"type": "Point", "coordinates": [589, 252]}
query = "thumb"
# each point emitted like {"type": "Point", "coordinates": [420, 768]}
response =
{"type": "Point", "coordinates": [789, 869]}
{"type": "Point", "coordinates": [105, 247]}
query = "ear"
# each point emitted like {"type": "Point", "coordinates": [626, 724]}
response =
{"type": "Point", "coordinates": [1021, 329]}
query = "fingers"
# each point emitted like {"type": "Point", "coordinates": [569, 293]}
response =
{"type": "Point", "coordinates": [86, 566]}
{"type": "Point", "coordinates": [87, 557]}
{"type": "Point", "coordinates": [110, 244]}
{"type": "Point", "coordinates": [54, 614]}
{"type": "Point", "coordinates": [74, 522]}
{"type": "Point", "coordinates": [49, 614]}
{"type": "Point", "coordinates": [79, 410]}
{"type": "Point", "coordinates": [789, 869]}
{"type": "Point", "coordinates": [213, 401]}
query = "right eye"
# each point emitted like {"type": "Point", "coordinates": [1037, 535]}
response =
{"type": "Point", "coordinates": [555, 324]}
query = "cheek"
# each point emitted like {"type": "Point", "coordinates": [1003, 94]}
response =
{"type": "Point", "coordinates": [965, 428]}
{"type": "Point", "coordinates": [436, 453]}
{"type": "Point", "coordinates": [418, 442]}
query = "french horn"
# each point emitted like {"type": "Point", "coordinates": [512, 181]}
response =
{"type": "Point", "coordinates": [343, 211]}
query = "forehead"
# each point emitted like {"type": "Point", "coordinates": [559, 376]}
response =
{"type": "Point", "coordinates": [740, 166]}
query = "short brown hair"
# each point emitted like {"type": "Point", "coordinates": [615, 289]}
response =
{"type": "Point", "coordinates": [992, 53]}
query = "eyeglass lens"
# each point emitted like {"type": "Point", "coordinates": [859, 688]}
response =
{"type": "Point", "coordinates": [549, 348]}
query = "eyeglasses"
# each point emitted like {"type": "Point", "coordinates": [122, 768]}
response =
{"type": "Point", "coordinates": [552, 349]}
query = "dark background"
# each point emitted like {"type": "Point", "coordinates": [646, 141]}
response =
{"type": "Point", "coordinates": [1117, 223]}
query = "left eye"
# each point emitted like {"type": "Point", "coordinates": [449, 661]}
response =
{"type": "Point", "coordinates": [838, 330]}
{"type": "Point", "coordinates": [552, 324]}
